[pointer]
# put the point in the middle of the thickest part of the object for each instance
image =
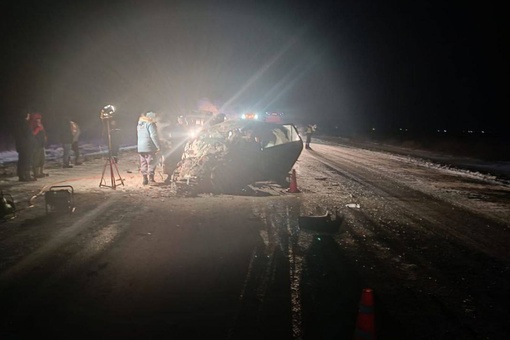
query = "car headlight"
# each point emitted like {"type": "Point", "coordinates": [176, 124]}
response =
{"type": "Point", "coordinates": [194, 132]}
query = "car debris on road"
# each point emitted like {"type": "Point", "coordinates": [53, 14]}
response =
{"type": "Point", "coordinates": [226, 157]}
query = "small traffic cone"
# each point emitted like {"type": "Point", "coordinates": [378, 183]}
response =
{"type": "Point", "coordinates": [293, 183]}
{"type": "Point", "coordinates": [365, 325]}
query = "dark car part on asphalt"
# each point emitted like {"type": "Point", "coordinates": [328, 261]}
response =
{"type": "Point", "coordinates": [328, 222]}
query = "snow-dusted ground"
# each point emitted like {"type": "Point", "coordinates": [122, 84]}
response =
{"type": "Point", "coordinates": [54, 153]}
{"type": "Point", "coordinates": [8, 159]}
{"type": "Point", "coordinates": [429, 237]}
{"type": "Point", "coordinates": [487, 170]}
{"type": "Point", "coordinates": [494, 170]}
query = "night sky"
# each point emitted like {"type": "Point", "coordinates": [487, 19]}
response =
{"type": "Point", "coordinates": [417, 65]}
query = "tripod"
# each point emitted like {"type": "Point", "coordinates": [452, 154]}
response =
{"type": "Point", "coordinates": [111, 163]}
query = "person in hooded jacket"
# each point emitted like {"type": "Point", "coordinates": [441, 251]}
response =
{"type": "Point", "coordinates": [148, 146]}
{"type": "Point", "coordinates": [40, 138]}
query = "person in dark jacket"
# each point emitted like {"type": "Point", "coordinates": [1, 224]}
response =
{"type": "Point", "coordinates": [66, 138]}
{"type": "Point", "coordinates": [76, 132]}
{"type": "Point", "coordinates": [39, 152]}
{"type": "Point", "coordinates": [24, 140]}
{"type": "Point", "coordinates": [148, 146]}
{"type": "Point", "coordinates": [69, 136]}
{"type": "Point", "coordinates": [310, 130]}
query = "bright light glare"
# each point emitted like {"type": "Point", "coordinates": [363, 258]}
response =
{"type": "Point", "coordinates": [194, 132]}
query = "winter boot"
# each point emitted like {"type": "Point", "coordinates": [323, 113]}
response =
{"type": "Point", "coordinates": [151, 178]}
{"type": "Point", "coordinates": [42, 173]}
{"type": "Point", "coordinates": [38, 172]}
{"type": "Point", "coordinates": [145, 180]}
{"type": "Point", "coordinates": [28, 178]}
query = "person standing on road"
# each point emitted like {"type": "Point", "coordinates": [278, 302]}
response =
{"type": "Point", "coordinates": [40, 139]}
{"type": "Point", "coordinates": [148, 146]}
{"type": "Point", "coordinates": [310, 130]}
{"type": "Point", "coordinates": [25, 141]}
{"type": "Point", "coordinates": [69, 136]}
{"type": "Point", "coordinates": [76, 132]}
{"type": "Point", "coordinates": [66, 138]}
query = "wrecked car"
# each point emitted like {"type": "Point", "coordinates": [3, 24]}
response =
{"type": "Point", "coordinates": [226, 157]}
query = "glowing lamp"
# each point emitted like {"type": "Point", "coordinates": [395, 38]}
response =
{"type": "Point", "coordinates": [107, 112]}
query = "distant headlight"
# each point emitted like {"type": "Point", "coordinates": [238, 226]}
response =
{"type": "Point", "coordinates": [251, 116]}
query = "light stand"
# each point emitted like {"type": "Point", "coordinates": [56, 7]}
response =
{"type": "Point", "coordinates": [106, 115]}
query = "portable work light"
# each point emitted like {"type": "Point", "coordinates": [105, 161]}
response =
{"type": "Point", "coordinates": [107, 112]}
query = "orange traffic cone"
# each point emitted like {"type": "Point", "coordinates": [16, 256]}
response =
{"type": "Point", "coordinates": [365, 325]}
{"type": "Point", "coordinates": [293, 183]}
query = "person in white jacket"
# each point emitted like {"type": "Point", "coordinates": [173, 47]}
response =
{"type": "Point", "coordinates": [148, 146]}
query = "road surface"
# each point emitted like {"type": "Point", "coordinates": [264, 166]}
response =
{"type": "Point", "coordinates": [142, 262]}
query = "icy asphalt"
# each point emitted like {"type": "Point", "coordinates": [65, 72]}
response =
{"type": "Point", "coordinates": [89, 175]}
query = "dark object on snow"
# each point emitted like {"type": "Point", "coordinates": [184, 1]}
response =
{"type": "Point", "coordinates": [7, 206]}
{"type": "Point", "coordinates": [59, 199]}
{"type": "Point", "coordinates": [226, 157]}
{"type": "Point", "coordinates": [322, 223]}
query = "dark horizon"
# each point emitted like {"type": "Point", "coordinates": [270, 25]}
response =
{"type": "Point", "coordinates": [360, 65]}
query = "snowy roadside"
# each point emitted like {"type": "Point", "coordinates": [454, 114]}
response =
{"type": "Point", "coordinates": [85, 177]}
{"type": "Point", "coordinates": [8, 159]}
{"type": "Point", "coordinates": [489, 170]}
{"type": "Point", "coordinates": [494, 170]}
